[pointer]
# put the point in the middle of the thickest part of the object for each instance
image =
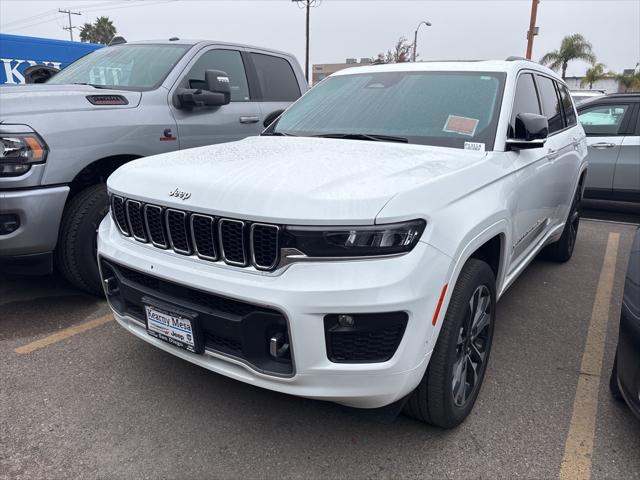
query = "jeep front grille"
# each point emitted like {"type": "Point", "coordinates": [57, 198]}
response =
{"type": "Point", "coordinates": [234, 242]}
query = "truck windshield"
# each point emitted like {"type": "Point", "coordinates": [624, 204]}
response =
{"type": "Point", "coordinates": [126, 67]}
{"type": "Point", "coordinates": [429, 108]}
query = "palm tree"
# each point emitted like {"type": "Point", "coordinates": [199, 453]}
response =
{"type": "Point", "coordinates": [573, 47]}
{"type": "Point", "coordinates": [629, 81]}
{"type": "Point", "coordinates": [100, 31]}
{"type": "Point", "coordinates": [594, 74]}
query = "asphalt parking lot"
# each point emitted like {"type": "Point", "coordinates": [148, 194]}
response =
{"type": "Point", "coordinates": [82, 398]}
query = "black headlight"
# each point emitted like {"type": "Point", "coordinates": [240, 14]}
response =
{"type": "Point", "coordinates": [354, 241]}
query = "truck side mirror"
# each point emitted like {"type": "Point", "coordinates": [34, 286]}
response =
{"type": "Point", "coordinates": [531, 131]}
{"type": "Point", "coordinates": [218, 92]}
{"type": "Point", "coordinates": [218, 82]}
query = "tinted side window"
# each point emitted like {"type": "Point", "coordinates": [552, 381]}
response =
{"type": "Point", "coordinates": [276, 77]}
{"type": "Point", "coordinates": [567, 105]}
{"type": "Point", "coordinates": [525, 101]}
{"type": "Point", "coordinates": [603, 119]}
{"type": "Point", "coordinates": [550, 104]}
{"type": "Point", "coordinates": [229, 61]}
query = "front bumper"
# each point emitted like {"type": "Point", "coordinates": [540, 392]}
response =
{"type": "Point", "coordinates": [39, 211]}
{"type": "Point", "coordinates": [305, 293]}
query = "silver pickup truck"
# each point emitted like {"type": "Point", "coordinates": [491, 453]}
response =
{"type": "Point", "coordinates": [59, 141]}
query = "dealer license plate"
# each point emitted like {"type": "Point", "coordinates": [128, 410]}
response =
{"type": "Point", "coordinates": [170, 327]}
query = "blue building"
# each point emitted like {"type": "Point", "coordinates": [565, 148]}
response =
{"type": "Point", "coordinates": [18, 52]}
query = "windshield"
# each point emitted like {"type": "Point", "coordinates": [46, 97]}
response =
{"type": "Point", "coordinates": [126, 67]}
{"type": "Point", "coordinates": [429, 108]}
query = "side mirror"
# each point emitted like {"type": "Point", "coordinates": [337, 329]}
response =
{"type": "Point", "coordinates": [272, 117]}
{"type": "Point", "coordinates": [531, 131]}
{"type": "Point", "coordinates": [218, 82]}
{"type": "Point", "coordinates": [39, 73]}
{"type": "Point", "coordinates": [218, 92]}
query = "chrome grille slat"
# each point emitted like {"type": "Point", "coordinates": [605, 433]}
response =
{"type": "Point", "coordinates": [264, 246]}
{"type": "Point", "coordinates": [176, 221]}
{"type": "Point", "coordinates": [119, 214]}
{"type": "Point", "coordinates": [203, 235]}
{"type": "Point", "coordinates": [136, 223]}
{"type": "Point", "coordinates": [154, 221]}
{"type": "Point", "coordinates": [235, 242]}
{"type": "Point", "coordinates": [232, 244]}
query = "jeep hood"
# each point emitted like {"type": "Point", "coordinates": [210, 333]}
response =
{"type": "Point", "coordinates": [288, 180]}
{"type": "Point", "coordinates": [33, 99]}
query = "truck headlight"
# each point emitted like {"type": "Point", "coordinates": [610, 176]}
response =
{"type": "Point", "coordinates": [354, 241]}
{"type": "Point", "coordinates": [19, 151]}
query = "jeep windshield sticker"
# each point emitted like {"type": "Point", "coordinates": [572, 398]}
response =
{"type": "Point", "coordinates": [476, 146]}
{"type": "Point", "coordinates": [461, 125]}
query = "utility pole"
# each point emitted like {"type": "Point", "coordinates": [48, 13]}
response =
{"type": "Point", "coordinates": [533, 30]}
{"type": "Point", "coordinates": [415, 39]}
{"type": "Point", "coordinates": [70, 27]}
{"type": "Point", "coordinates": [307, 4]}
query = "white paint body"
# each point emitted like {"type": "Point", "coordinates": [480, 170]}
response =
{"type": "Point", "coordinates": [466, 197]}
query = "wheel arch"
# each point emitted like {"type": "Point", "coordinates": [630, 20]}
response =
{"type": "Point", "coordinates": [97, 172]}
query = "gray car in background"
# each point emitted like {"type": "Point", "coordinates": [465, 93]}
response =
{"type": "Point", "coordinates": [59, 141]}
{"type": "Point", "coordinates": [612, 125]}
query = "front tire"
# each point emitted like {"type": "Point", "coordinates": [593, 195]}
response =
{"type": "Point", "coordinates": [447, 392]}
{"type": "Point", "coordinates": [76, 256]}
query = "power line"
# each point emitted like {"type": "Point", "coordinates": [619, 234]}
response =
{"type": "Point", "coordinates": [307, 4]}
{"type": "Point", "coordinates": [70, 27]}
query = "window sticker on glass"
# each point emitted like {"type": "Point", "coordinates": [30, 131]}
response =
{"type": "Point", "coordinates": [476, 146]}
{"type": "Point", "coordinates": [461, 125]}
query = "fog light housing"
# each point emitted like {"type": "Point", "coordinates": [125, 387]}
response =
{"type": "Point", "coordinates": [9, 223]}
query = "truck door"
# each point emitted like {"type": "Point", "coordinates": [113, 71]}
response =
{"type": "Point", "coordinates": [208, 125]}
{"type": "Point", "coordinates": [276, 81]}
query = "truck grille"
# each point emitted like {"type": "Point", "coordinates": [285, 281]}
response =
{"type": "Point", "coordinates": [234, 242]}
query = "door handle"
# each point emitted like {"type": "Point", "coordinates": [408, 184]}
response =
{"type": "Point", "coordinates": [249, 119]}
{"type": "Point", "coordinates": [602, 145]}
{"type": "Point", "coordinates": [552, 154]}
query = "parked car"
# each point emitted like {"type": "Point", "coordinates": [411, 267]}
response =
{"type": "Point", "coordinates": [356, 250]}
{"type": "Point", "coordinates": [580, 96]}
{"type": "Point", "coordinates": [625, 377]}
{"type": "Point", "coordinates": [62, 139]}
{"type": "Point", "coordinates": [612, 125]}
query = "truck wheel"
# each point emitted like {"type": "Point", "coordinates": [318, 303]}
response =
{"type": "Point", "coordinates": [447, 392]}
{"type": "Point", "coordinates": [76, 252]}
{"type": "Point", "coordinates": [562, 250]}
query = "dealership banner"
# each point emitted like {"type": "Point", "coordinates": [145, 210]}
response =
{"type": "Point", "coordinates": [19, 52]}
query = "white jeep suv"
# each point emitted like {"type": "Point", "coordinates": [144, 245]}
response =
{"type": "Point", "coordinates": [356, 250]}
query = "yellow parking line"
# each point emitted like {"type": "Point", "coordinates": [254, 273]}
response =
{"type": "Point", "coordinates": [578, 450]}
{"type": "Point", "coordinates": [66, 333]}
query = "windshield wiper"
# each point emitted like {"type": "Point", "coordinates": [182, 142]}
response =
{"type": "Point", "coordinates": [278, 134]}
{"type": "Point", "coordinates": [364, 136]}
{"type": "Point", "coordinates": [90, 84]}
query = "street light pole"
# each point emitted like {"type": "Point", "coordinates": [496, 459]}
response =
{"type": "Point", "coordinates": [533, 31]}
{"type": "Point", "coordinates": [308, 4]}
{"type": "Point", "coordinates": [415, 39]}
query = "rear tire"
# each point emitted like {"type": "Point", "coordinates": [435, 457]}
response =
{"type": "Point", "coordinates": [447, 392]}
{"type": "Point", "coordinates": [76, 257]}
{"type": "Point", "coordinates": [562, 250]}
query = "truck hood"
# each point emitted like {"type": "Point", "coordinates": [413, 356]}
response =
{"type": "Point", "coordinates": [25, 100]}
{"type": "Point", "coordinates": [288, 180]}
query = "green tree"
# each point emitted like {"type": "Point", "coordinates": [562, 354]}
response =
{"type": "Point", "coordinates": [594, 74]}
{"type": "Point", "coordinates": [100, 31]}
{"type": "Point", "coordinates": [573, 47]}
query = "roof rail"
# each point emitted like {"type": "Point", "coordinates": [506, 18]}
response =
{"type": "Point", "coordinates": [117, 40]}
{"type": "Point", "coordinates": [514, 58]}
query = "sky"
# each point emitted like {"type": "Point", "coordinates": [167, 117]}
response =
{"type": "Point", "coordinates": [340, 29]}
